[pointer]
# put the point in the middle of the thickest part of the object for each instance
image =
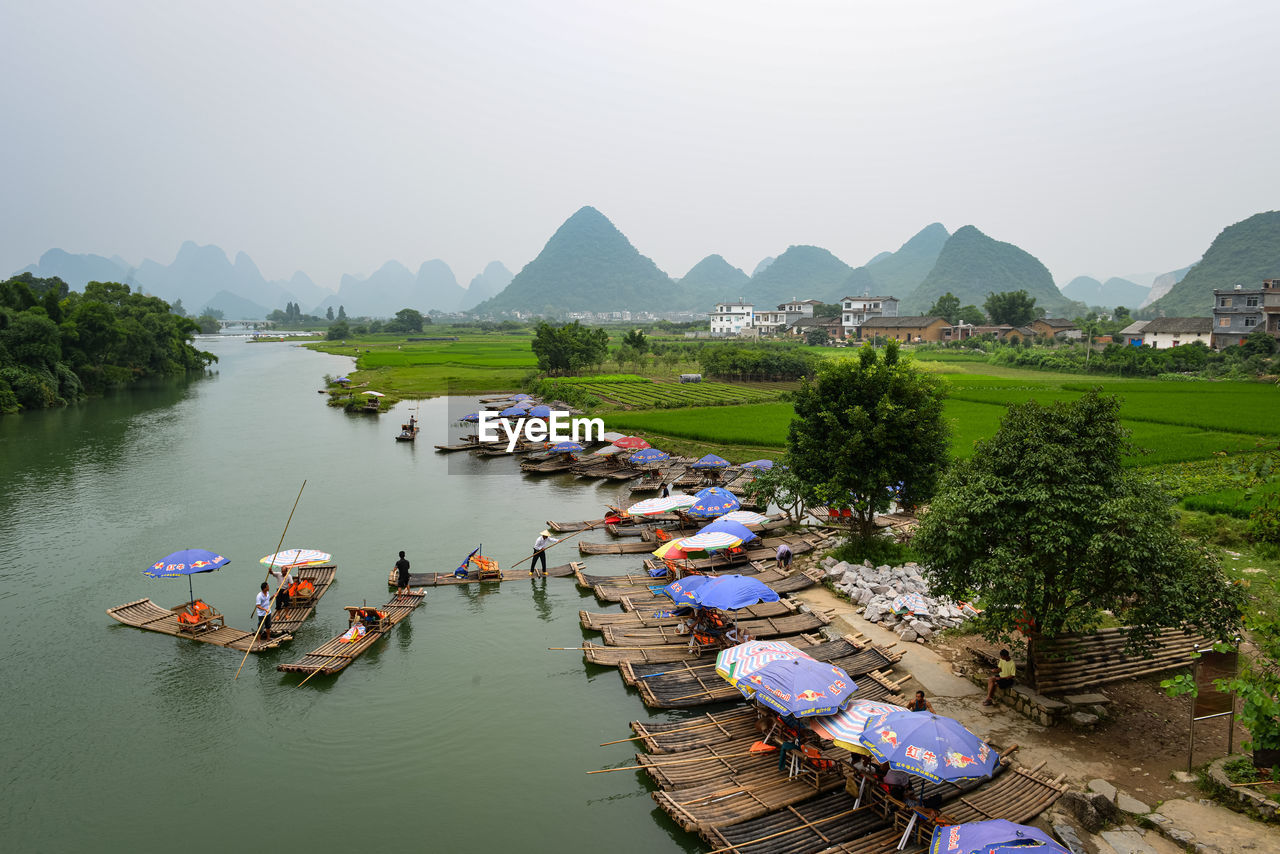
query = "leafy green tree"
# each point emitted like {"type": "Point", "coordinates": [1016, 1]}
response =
{"type": "Point", "coordinates": [570, 348]}
{"type": "Point", "coordinates": [817, 337]}
{"type": "Point", "coordinates": [636, 340]}
{"type": "Point", "coordinates": [948, 306]}
{"type": "Point", "coordinates": [406, 320]}
{"type": "Point", "coordinates": [1258, 343]}
{"type": "Point", "coordinates": [1047, 528]}
{"type": "Point", "coordinates": [338, 331]}
{"type": "Point", "coordinates": [780, 486]}
{"type": "Point", "coordinates": [1121, 314]}
{"type": "Point", "coordinates": [1258, 682]}
{"type": "Point", "coordinates": [828, 309]}
{"type": "Point", "coordinates": [208, 323]}
{"type": "Point", "coordinates": [215, 313]}
{"type": "Point", "coordinates": [342, 312]}
{"type": "Point", "coordinates": [972, 315]}
{"type": "Point", "coordinates": [863, 426]}
{"type": "Point", "coordinates": [328, 315]}
{"type": "Point", "coordinates": [1015, 308]}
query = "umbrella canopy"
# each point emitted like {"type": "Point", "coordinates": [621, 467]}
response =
{"type": "Point", "coordinates": [649, 455]}
{"type": "Point", "coordinates": [930, 746]}
{"type": "Point", "coordinates": [712, 502]}
{"type": "Point", "coordinates": [728, 526]}
{"type": "Point", "coordinates": [521, 396]}
{"type": "Point", "coordinates": [743, 517]}
{"type": "Point", "coordinates": [910, 603]}
{"type": "Point", "coordinates": [672, 550]}
{"type": "Point", "coordinates": [513, 412]}
{"type": "Point", "coordinates": [342, 379]}
{"type": "Point", "coordinates": [567, 447]}
{"type": "Point", "coordinates": [730, 592]}
{"type": "Point", "coordinates": [375, 394]}
{"type": "Point", "coordinates": [631, 442]}
{"type": "Point", "coordinates": [540, 411]}
{"type": "Point", "coordinates": [608, 451]}
{"type": "Point", "coordinates": [682, 591]}
{"type": "Point", "coordinates": [711, 461]}
{"type": "Point", "coordinates": [847, 725]}
{"type": "Point", "coordinates": [710, 541]}
{"type": "Point", "coordinates": [801, 687]}
{"type": "Point", "coordinates": [738, 662]}
{"type": "Point", "coordinates": [654, 506]}
{"type": "Point", "coordinates": [296, 557]}
{"type": "Point", "coordinates": [473, 416]}
{"type": "Point", "coordinates": [187, 562]}
{"type": "Point", "coordinates": [758, 465]}
{"type": "Point", "coordinates": [995, 835]}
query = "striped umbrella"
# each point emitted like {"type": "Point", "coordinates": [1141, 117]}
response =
{"type": "Point", "coordinates": [846, 725]}
{"type": "Point", "coordinates": [712, 502]}
{"type": "Point", "coordinates": [744, 517]}
{"type": "Point", "coordinates": [654, 506]}
{"type": "Point", "coordinates": [740, 661]}
{"type": "Point", "coordinates": [910, 603]}
{"type": "Point", "coordinates": [296, 557]}
{"type": "Point", "coordinates": [672, 550]}
{"type": "Point", "coordinates": [709, 541]}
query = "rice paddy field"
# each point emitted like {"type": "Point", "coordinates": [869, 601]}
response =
{"type": "Point", "coordinates": [473, 364]}
{"type": "Point", "coordinates": [643, 393]}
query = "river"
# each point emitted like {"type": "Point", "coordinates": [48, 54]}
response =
{"type": "Point", "coordinates": [460, 731]}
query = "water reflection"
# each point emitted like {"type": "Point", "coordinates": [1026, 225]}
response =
{"type": "Point", "coordinates": [540, 602]}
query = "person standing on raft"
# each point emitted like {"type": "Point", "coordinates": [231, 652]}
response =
{"type": "Point", "coordinates": [540, 546]}
{"type": "Point", "coordinates": [402, 575]}
{"type": "Point", "coordinates": [262, 610]}
{"type": "Point", "coordinates": [285, 574]}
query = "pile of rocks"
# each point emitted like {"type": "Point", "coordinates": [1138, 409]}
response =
{"type": "Point", "coordinates": [877, 586]}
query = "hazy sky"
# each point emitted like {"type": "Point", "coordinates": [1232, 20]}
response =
{"type": "Point", "coordinates": [1106, 138]}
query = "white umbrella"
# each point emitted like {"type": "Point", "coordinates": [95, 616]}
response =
{"type": "Point", "coordinates": [375, 394]}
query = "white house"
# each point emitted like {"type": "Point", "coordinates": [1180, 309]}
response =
{"type": "Point", "coordinates": [732, 318]}
{"type": "Point", "coordinates": [1165, 332]}
{"type": "Point", "coordinates": [854, 311]}
{"type": "Point", "coordinates": [786, 315]}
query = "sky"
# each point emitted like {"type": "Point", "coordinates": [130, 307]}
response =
{"type": "Point", "coordinates": [1106, 138]}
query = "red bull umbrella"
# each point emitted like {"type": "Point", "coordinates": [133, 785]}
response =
{"type": "Point", "coordinates": [846, 726]}
{"type": "Point", "coordinates": [712, 502]}
{"type": "Point", "coordinates": [187, 562]}
{"type": "Point", "coordinates": [934, 747]}
{"type": "Point", "coordinates": [800, 687]}
{"type": "Point", "coordinates": [996, 836]}
{"type": "Point", "coordinates": [738, 662]}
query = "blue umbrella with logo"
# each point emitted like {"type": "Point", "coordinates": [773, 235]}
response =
{"type": "Point", "coordinates": [711, 461]}
{"type": "Point", "coordinates": [726, 526]}
{"type": "Point", "coordinates": [521, 396]}
{"type": "Point", "coordinates": [470, 417]}
{"type": "Point", "coordinates": [682, 591]}
{"type": "Point", "coordinates": [800, 687]}
{"type": "Point", "coordinates": [712, 502]}
{"type": "Point", "coordinates": [540, 411]}
{"type": "Point", "coordinates": [731, 592]}
{"type": "Point", "coordinates": [187, 562]}
{"type": "Point", "coordinates": [649, 455]}
{"type": "Point", "coordinates": [935, 747]}
{"type": "Point", "coordinates": [567, 448]}
{"type": "Point", "coordinates": [758, 465]}
{"type": "Point", "coordinates": [514, 412]}
{"type": "Point", "coordinates": [995, 836]}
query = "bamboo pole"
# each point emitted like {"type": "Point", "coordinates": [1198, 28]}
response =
{"type": "Point", "coordinates": [590, 527]}
{"type": "Point", "coordinates": [808, 825]}
{"type": "Point", "coordinates": [677, 762]}
{"type": "Point", "coordinates": [272, 603]}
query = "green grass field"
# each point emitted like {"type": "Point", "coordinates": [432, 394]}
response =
{"type": "Point", "coordinates": [474, 364]}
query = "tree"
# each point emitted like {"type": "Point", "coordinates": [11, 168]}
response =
{"type": "Point", "coordinates": [406, 320]}
{"type": "Point", "coordinates": [1015, 308]}
{"type": "Point", "coordinates": [636, 340]}
{"type": "Point", "coordinates": [780, 486]}
{"type": "Point", "coordinates": [828, 309]}
{"type": "Point", "coordinates": [1121, 314]}
{"type": "Point", "coordinates": [570, 348]}
{"type": "Point", "coordinates": [863, 426]}
{"type": "Point", "coordinates": [177, 308]}
{"type": "Point", "coordinates": [1258, 343]}
{"type": "Point", "coordinates": [972, 315]}
{"type": "Point", "coordinates": [208, 323]}
{"type": "Point", "coordinates": [948, 306]}
{"type": "Point", "coordinates": [342, 312]}
{"type": "Point", "coordinates": [1045, 525]}
{"type": "Point", "coordinates": [817, 337]}
{"type": "Point", "coordinates": [328, 315]}
{"type": "Point", "coordinates": [338, 331]}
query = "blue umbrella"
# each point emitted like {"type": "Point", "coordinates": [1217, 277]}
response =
{"type": "Point", "coordinates": [682, 591]}
{"type": "Point", "coordinates": [521, 396]}
{"type": "Point", "coordinates": [567, 447]}
{"type": "Point", "coordinates": [725, 526]}
{"type": "Point", "coordinates": [187, 562]}
{"type": "Point", "coordinates": [649, 455]}
{"type": "Point", "coordinates": [712, 502]}
{"type": "Point", "coordinates": [474, 416]}
{"type": "Point", "coordinates": [513, 412]}
{"type": "Point", "coordinates": [995, 835]}
{"type": "Point", "coordinates": [731, 592]}
{"type": "Point", "coordinates": [931, 746]}
{"type": "Point", "coordinates": [711, 461]}
{"type": "Point", "coordinates": [541, 411]}
{"type": "Point", "coordinates": [800, 687]}
{"type": "Point", "coordinates": [762, 465]}
{"type": "Point", "coordinates": [342, 379]}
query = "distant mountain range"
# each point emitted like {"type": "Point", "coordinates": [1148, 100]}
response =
{"type": "Point", "coordinates": [589, 265]}
{"type": "Point", "coordinates": [1243, 254]}
{"type": "Point", "coordinates": [1109, 294]}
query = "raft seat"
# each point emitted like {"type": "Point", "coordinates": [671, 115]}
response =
{"type": "Point", "coordinates": [197, 617]}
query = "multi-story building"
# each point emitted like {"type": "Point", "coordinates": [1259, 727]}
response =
{"type": "Point", "coordinates": [786, 316]}
{"type": "Point", "coordinates": [732, 318]}
{"type": "Point", "coordinates": [1165, 332]}
{"type": "Point", "coordinates": [1241, 311]}
{"type": "Point", "coordinates": [854, 311]}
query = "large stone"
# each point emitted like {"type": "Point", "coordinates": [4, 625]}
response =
{"type": "Point", "coordinates": [1087, 699]}
{"type": "Point", "coordinates": [908, 636]}
{"type": "Point", "coordinates": [1068, 836]}
{"type": "Point", "coordinates": [1080, 807]}
{"type": "Point", "coordinates": [1127, 841]}
{"type": "Point", "coordinates": [828, 562]}
{"type": "Point", "coordinates": [881, 589]}
{"type": "Point", "coordinates": [1083, 719]}
{"type": "Point", "coordinates": [1130, 804]}
{"type": "Point", "coordinates": [1106, 808]}
{"type": "Point", "coordinates": [1102, 787]}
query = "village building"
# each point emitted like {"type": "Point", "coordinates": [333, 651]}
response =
{"type": "Point", "coordinates": [854, 311]}
{"type": "Point", "coordinates": [909, 330]}
{"type": "Point", "coordinates": [1131, 335]}
{"type": "Point", "coordinates": [1239, 312]}
{"type": "Point", "coordinates": [1165, 332]}
{"type": "Point", "coordinates": [1009, 334]}
{"type": "Point", "coordinates": [832, 325]}
{"type": "Point", "coordinates": [1054, 327]}
{"type": "Point", "coordinates": [785, 317]}
{"type": "Point", "coordinates": [732, 318]}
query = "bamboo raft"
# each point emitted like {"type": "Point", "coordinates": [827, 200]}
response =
{"type": "Point", "coordinates": [550, 466]}
{"type": "Point", "coordinates": [768, 627]}
{"type": "Point", "coordinates": [625, 547]}
{"type": "Point", "coordinates": [639, 599]}
{"type": "Point", "coordinates": [686, 734]}
{"type": "Point", "coordinates": [596, 620]}
{"type": "Point", "coordinates": [445, 579]}
{"type": "Point", "coordinates": [826, 820]}
{"type": "Point", "coordinates": [566, 527]}
{"type": "Point", "coordinates": [334, 656]}
{"type": "Point", "coordinates": [615, 656]}
{"type": "Point", "coordinates": [847, 652]}
{"type": "Point", "coordinates": [714, 763]}
{"type": "Point", "coordinates": [289, 619]}
{"type": "Point", "coordinates": [145, 614]}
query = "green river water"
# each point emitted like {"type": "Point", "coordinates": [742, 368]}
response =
{"type": "Point", "coordinates": [460, 731]}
